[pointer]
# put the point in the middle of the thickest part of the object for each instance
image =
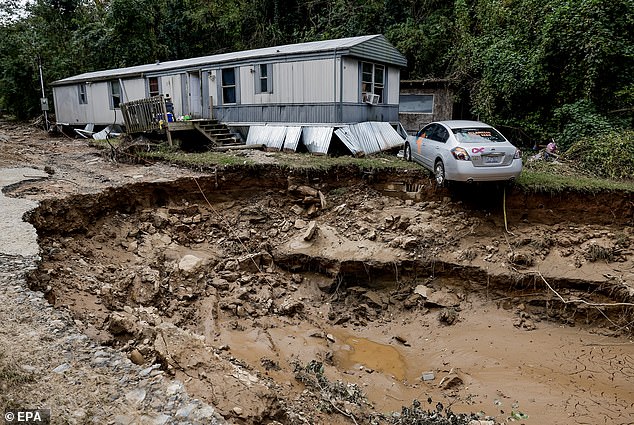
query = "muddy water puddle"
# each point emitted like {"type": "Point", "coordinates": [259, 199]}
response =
{"type": "Point", "coordinates": [362, 353]}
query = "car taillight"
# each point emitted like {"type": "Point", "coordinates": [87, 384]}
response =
{"type": "Point", "coordinates": [518, 154]}
{"type": "Point", "coordinates": [460, 154]}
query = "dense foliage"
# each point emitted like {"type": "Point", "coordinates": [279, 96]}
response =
{"type": "Point", "coordinates": [605, 155]}
{"type": "Point", "coordinates": [547, 68]}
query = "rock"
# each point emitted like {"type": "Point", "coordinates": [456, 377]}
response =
{"type": "Point", "coordinates": [448, 316]}
{"type": "Point", "coordinates": [290, 307]}
{"type": "Point", "coordinates": [255, 262]}
{"type": "Point", "coordinates": [450, 381]}
{"type": "Point", "coordinates": [299, 224]}
{"type": "Point", "coordinates": [402, 340]}
{"type": "Point", "coordinates": [297, 210]}
{"type": "Point", "coordinates": [311, 230]}
{"type": "Point", "coordinates": [375, 299]}
{"type": "Point", "coordinates": [136, 397]}
{"type": "Point", "coordinates": [121, 323]}
{"type": "Point", "coordinates": [237, 410]}
{"type": "Point", "coordinates": [422, 290]}
{"type": "Point", "coordinates": [189, 262]}
{"type": "Point", "coordinates": [442, 298]}
{"type": "Point", "coordinates": [61, 368]}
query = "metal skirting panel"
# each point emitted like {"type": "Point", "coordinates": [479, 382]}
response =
{"type": "Point", "coordinates": [349, 141]}
{"type": "Point", "coordinates": [320, 113]}
{"type": "Point", "coordinates": [387, 136]}
{"type": "Point", "coordinates": [326, 113]}
{"type": "Point", "coordinates": [270, 135]}
{"type": "Point", "coordinates": [369, 137]}
{"type": "Point", "coordinates": [364, 138]}
{"type": "Point", "coordinates": [317, 139]}
{"type": "Point", "coordinates": [292, 138]}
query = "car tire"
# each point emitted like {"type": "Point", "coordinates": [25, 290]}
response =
{"type": "Point", "coordinates": [439, 173]}
{"type": "Point", "coordinates": [408, 153]}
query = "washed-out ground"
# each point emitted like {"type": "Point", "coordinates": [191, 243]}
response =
{"type": "Point", "coordinates": [260, 294]}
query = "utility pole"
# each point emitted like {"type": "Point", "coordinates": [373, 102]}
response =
{"type": "Point", "coordinates": [43, 99]}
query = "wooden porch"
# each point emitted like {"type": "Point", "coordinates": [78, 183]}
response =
{"type": "Point", "coordinates": [153, 114]}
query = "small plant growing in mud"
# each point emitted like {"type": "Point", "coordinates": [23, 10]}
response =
{"type": "Point", "coordinates": [336, 396]}
{"type": "Point", "coordinates": [597, 252]}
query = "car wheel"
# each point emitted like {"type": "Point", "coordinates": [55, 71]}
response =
{"type": "Point", "coordinates": [408, 152]}
{"type": "Point", "coordinates": [439, 173]}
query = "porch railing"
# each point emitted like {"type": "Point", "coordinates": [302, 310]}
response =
{"type": "Point", "coordinates": [146, 115]}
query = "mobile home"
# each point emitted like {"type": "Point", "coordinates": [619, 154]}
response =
{"type": "Point", "coordinates": [333, 82]}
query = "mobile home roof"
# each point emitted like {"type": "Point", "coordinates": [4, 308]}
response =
{"type": "Point", "coordinates": [371, 47]}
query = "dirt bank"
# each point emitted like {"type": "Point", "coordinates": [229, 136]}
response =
{"type": "Point", "coordinates": [281, 296]}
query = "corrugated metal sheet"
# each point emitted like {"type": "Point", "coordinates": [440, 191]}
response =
{"type": "Point", "coordinates": [369, 137]}
{"type": "Point", "coordinates": [378, 46]}
{"type": "Point", "coordinates": [387, 136]}
{"type": "Point", "coordinates": [365, 138]}
{"type": "Point", "coordinates": [349, 141]}
{"type": "Point", "coordinates": [270, 135]}
{"type": "Point", "coordinates": [292, 138]}
{"type": "Point", "coordinates": [317, 139]}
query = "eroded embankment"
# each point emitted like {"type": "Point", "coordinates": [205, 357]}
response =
{"type": "Point", "coordinates": [246, 279]}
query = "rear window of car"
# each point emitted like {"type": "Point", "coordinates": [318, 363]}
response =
{"type": "Point", "coordinates": [477, 134]}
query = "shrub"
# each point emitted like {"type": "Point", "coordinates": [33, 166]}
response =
{"type": "Point", "coordinates": [605, 155]}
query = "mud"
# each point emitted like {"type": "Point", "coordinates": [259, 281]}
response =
{"type": "Point", "coordinates": [234, 282]}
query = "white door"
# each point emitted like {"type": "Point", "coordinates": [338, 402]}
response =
{"type": "Point", "coordinates": [195, 95]}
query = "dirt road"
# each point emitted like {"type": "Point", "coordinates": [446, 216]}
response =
{"type": "Point", "coordinates": [279, 296]}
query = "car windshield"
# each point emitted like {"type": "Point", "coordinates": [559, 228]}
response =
{"type": "Point", "coordinates": [475, 135]}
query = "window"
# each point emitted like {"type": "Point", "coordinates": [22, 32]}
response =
{"type": "Point", "coordinates": [115, 94]}
{"type": "Point", "coordinates": [83, 95]}
{"type": "Point", "coordinates": [228, 85]}
{"type": "Point", "coordinates": [372, 82]}
{"type": "Point", "coordinates": [420, 103]}
{"type": "Point", "coordinates": [435, 132]}
{"type": "Point", "coordinates": [153, 86]}
{"type": "Point", "coordinates": [263, 82]}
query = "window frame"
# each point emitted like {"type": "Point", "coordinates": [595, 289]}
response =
{"type": "Point", "coordinates": [373, 82]}
{"type": "Point", "coordinates": [150, 82]}
{"type": "Point", "coordinates": [227, 88]}
{"type": "Point", "coordinates": [400, 102]}
{"type": "Point", "coordinates": [82, 93]}
{"type": "Point", "coordinates": [263, 75]}
{"type": "Point", "coordinates": [115, 98]}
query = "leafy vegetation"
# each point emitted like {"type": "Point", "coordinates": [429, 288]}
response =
{"type": "Point", "coordinates": [608, 154]}
{"type": "Point", "coordinates": [551, 68]}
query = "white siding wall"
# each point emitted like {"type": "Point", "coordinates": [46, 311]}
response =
{"type": "Point", "coordinates": [351, 86]}
{"type": "Point", "coordinates": [97, 111]}
{"type": "Point", "coordinates": [393, 85]}
{"type": "Point", "coordinates": [293, 82]}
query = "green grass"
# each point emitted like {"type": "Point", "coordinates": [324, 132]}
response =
{"type": "Point", "coordinates": [555, 177]}
{"type": "Point", "coordinates": [197, 159]}
{"type": "Point", "coordinates": [537, 176]}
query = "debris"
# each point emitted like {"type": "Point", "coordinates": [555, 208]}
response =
{"type": "Point", "coordinates": [402, 340]}
{"type": "Point", "coordinates": [310, 231]}
{"type": "Point", "coordinates": [448, 316]}
{"type": "Point", "coordinates": [428, 376]}
{"type": "Point", "coordinates": [450, 381]}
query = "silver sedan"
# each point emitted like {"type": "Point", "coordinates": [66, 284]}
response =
{"type": "Point", "coordinates": [466, 151]}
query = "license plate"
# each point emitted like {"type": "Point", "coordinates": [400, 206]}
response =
{"type": "Point", "coordinates": [492, 159]}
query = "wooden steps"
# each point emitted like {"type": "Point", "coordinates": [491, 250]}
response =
{"type": "Point", "coordinates": [217, 133]}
